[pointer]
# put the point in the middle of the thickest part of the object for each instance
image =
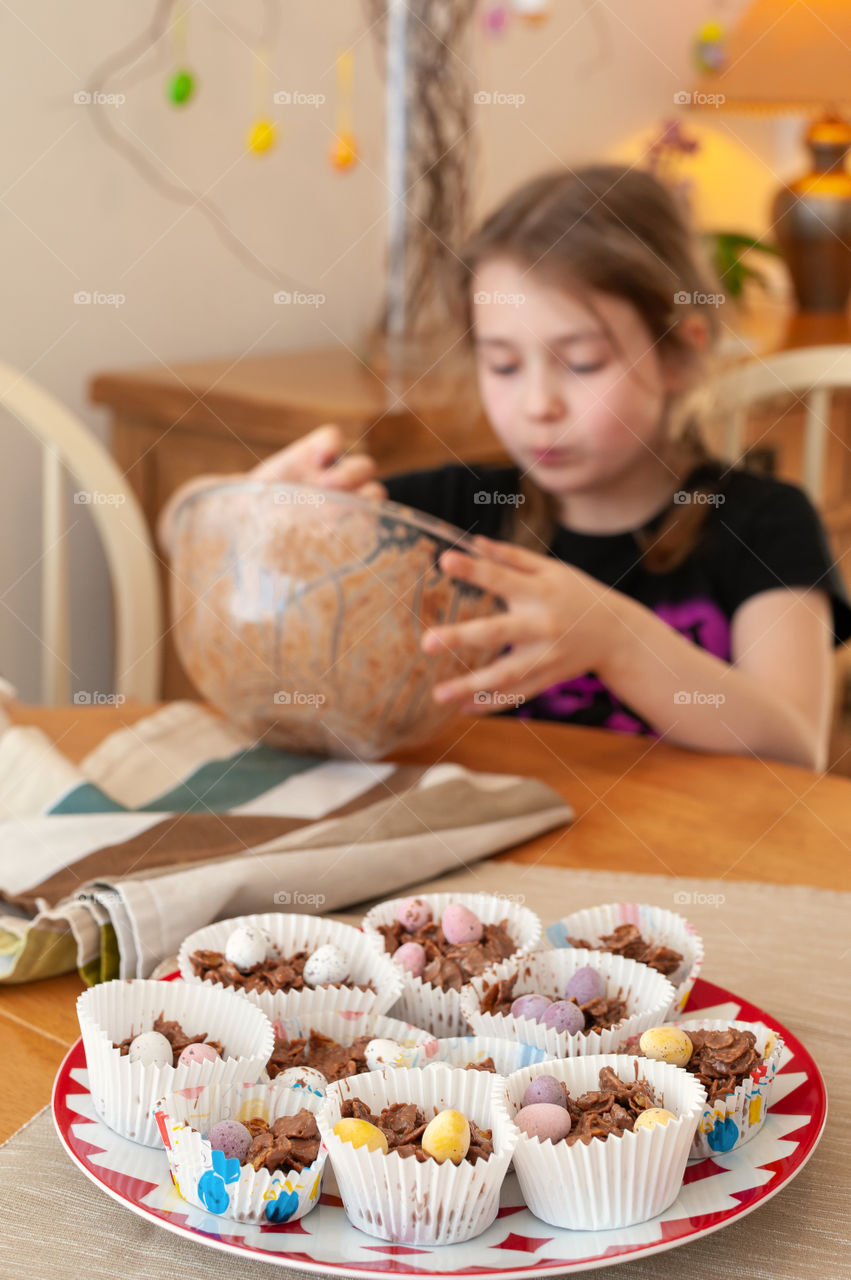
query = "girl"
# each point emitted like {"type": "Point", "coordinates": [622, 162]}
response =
{"type": "Point", "coordinates": [649, 588]}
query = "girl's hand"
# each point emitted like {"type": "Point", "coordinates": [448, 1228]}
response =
{"type": "Point", "coordinates": [556, 625]}
{"type": "Point", "coordinates": [315, 459]}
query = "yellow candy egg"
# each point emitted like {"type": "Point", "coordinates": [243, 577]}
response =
{"type": "Point", "coordinates": [262, 136]}
{"type": "Point", "coordinates": [666, 1044]}
{"type": "Point", "coordinates": [653, 1116]}
{"type": "Point", "coordinates": [360, 1133]}
{"type": "Point", "coordinates": [447, 1137]}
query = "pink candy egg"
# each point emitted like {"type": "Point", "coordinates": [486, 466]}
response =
{"type": "Point", "coordinates": [197, 1053]}
{"type": "Point", "coordinates": [460, 925]}
{"type": "Point", "coordinates": [412, 957]}
{"type": "Point", "coordinates": [414, 914]}
{"type": "Point", "coordinates": [231, 1138]}
{"type": "Point", "coordinates": [543, 1120]}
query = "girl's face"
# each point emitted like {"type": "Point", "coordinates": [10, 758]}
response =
{"type": "Point", "coordinates": [575, 411]}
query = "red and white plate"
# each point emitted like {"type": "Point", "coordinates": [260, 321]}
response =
{"type": "Point", "coordinates": [715, 1192]}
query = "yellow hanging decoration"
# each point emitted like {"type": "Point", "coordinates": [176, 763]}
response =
{"type": "Point", "coordinates": [263, 132]}
{"type": "Point", "coordinates": [343, 153]}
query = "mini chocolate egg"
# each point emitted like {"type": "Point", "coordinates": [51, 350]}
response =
{"type": "Point", "coordinates": [151, 1049]}
{"type": "Point", "coordinates": [198, 1053]}
{"type": "Point", "coordinates": [544, 1089]}
{"type": "Point", "coordinates": [327, 965]}
{"type": "Point", "coordinates": [461, 925]}
{"type": "Point", "coordinates": [563, 1016]}
{"type": "Point", "coordinates": [360, 1133]}
{"type": "Point", "coordinates": [531, 1006]}
{"type": "Point", "coordinates": [231, 1138]}
{"type": "Point", "coordinates": [586, 985]}
{"type": "Point", "coordinates": [247, 947]}
{"type": "Point", "coordinates": [414, 914]}
{"type": "Point", "coordinates": [543, 1120]}
{"type": "Point", "coordinates": [385, 1053]}
{"type": "Point", "coordinates": [412, 957]}
{"type": "Point", "coordinates": [653, 1116]}
{"type": "Point", "coordinates": [303, 1078]}
{"type": "Point", "coordinates": [447, 1136]}
{"type": "Point", "coordinates": [666, 1044]}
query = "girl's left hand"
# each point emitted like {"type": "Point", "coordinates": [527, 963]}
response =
{"type": "Point", "coordinates": [557, 623]}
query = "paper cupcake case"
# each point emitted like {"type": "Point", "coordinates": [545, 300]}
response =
{"type": "Point", "coordinates": [403, 1199]}
{"type": "Point", "coordinates": [655, 924]}
{"type": "Point", "coordinates": [602, 1185]}
{"type": "Point", "coordinates": [507, 1055]}
{"type": "Point", "coordinates": [210, 1181]}
{"type": "Point", "coordinates": [124, 1093]}
{"type": "Point", "coordinates": [429, 1006]}
{"type": "Point", "coordinates": [420, 1047]}
{"type": "Point", "coordinates": [292, 933]}
{"type": "Point", "coordinates": [648, 998]}
{"type": "Point", "coordinates": [731, 1121]}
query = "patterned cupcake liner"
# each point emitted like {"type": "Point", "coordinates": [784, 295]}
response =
{"type": "Point", "coordinates": [421, 1002]}
{"type": "Point", "coordinates": [216, 1184]}
{"type": "Point", "coordinates": [665, 928]}
{"type": "Point", "coordinates": [507, 1055]}
{"type": "Point", "coordinates": [292, 933]}
{"type": "Point", "coordinates": [403, 1199]}
{"type": "Point", "coordinates": [611, 1183]}
{"type": "Point", "coordinates": [647, 994]}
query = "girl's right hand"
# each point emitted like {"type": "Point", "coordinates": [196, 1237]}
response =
{"type": "Point", "coordinates": [315, 459]}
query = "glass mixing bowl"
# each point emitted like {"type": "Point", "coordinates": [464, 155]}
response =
{"type": "Point", "coordinates": [299, 613]}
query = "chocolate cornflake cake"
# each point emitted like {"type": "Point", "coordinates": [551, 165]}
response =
{"type": "Point", "coordinates": [611, 1110]}
{"type": "Point", "coordinates": [721, 1060]}
{"type": "Point", "coordinates": [486, 1064]}
{"type": "Point", "coordinates": [403, 1125]}
{"type": "Point", "coordinates": [336, 1061]}
{"type": "Point", "coordinates": [290, 1143]}
{"type": "Point", "coordinates": [276, 973]}
{"type": "Point", "coordinates": [175, 1035]}
{"type": "Point", "coordinates": [626, 941]}
{"type": "Point", "coordinates": [450, 966]}
{"type": "Point", "coordinates": [600, 1014]}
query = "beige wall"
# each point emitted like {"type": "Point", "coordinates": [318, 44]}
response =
{"type": "Point", "coordinates": [75, 216]}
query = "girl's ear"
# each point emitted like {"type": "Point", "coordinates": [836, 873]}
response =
{"type": "Point", "coordinates": [679, 365]}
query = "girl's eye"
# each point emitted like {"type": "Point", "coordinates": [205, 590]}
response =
{"type": "Point", "coordinates": [587, 368]}
{"type": "Point", "coordinates": [504, 369]}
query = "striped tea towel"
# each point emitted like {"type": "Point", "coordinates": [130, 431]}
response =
{"type": "Point", "coordinates": [180, 820]}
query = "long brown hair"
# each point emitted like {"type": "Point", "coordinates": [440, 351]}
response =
{"type": "Point", "coordinates": [619, 231]}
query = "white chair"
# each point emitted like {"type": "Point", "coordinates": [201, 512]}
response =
{"type": "Point", "coordinates": [810, 374]}
{"type": "Point", "coordinates": [68, 448]}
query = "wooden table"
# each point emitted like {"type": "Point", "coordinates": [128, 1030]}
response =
{"type": "Point", "coordinates": [640, 806]}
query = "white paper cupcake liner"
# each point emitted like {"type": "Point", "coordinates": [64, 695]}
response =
{"type": "Point", "coordinates": [603, 1185]}
{"type": "Point", "coordinates": [292, 933]}
{"type": "Point", "coordinates": [507, 1055]}
{"type": "Point", "coordinates": [731, 1121]}
{"type": "Point", "coordinates": [648, 998]}
{"type": "Point", "coordinates": [429, 1006]}
{"type": "Point", "coordinates": [210, 1181]}
{"type": "Point", "coordinates": [403, 1199]}
{"type": "Point", "coordinates": [123, 1093]}
{"type": "Point", "coordinates": [420, 1046]}
{"type": "Point", "coordinates": [665, 928]}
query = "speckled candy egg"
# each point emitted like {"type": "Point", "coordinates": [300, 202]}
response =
{"type": "Point", "coordinates": [198, 1053]}
{"type": "Point", "coordinates": [414, 914]}
{"type": "Point", "coordinates": [543, 1120]}
{"type": "Point", "coordinates": [563, 1016]}
{"type": "Point", "coordinates": [447, 1136]}
{"type": "Point", "coordinates": [412, 957]}
{"type": "Point", "coordinates": [231, 1138]}
{"type": "Point", "coordinates": [531, 1006]}
{"type": "Point", "coordinates": [653, 1116]}
{"type": "Point", "coordinates": [303, 1078]}
{"type": "Point", "coordinates": [151, 1049]}
{"type": "Point", "coordinates": [360, 1133]}
{"type": "Point", "coordinates": [666, 1044]}
{"type": "Point", "coordinates": [586, 984]}
{"type": "Point", "coordinates": [328, 964]}
{"type": "Point", "coordinates": [247, 947]}
{"type": "Point", "coordinates": [461, 925]}
{"type": "Point", "coordinates": [544, 1089]}
{"type": "Point", "coordinates": [385, 1053]}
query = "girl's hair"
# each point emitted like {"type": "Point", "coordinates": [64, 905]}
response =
{"type": "Point", "coordinates": [619, 231]}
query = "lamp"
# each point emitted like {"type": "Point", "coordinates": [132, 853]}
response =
{"type": "Point", "coordinates": [781, 59]}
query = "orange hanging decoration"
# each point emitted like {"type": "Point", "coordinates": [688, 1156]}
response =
{"type": "Point", "coordinates": [343, 153]}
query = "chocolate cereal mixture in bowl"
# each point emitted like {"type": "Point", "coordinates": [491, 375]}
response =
{"type": "Point", "coordinates": [314, 1051]}
{"type": "Point", "coordinates": [300, 612]}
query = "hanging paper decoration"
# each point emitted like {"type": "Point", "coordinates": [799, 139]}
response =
{"type": "Point", "coordinates": [532, 10]}
{"type": "Point", "coordinates": [495, 19]}
{"type": "Point", "coordinates": [343, 153]}
{"type": "Point", "coordinates": [263, 132]}
{"type": "Point", "coordinates": [262, 136]}
{"type": "Point", "coordinates": [181, 86]}
{"type": "Point", "coordinates": [709, 50]}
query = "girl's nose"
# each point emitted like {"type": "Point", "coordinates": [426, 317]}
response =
{"type": "Point", "coordinates": [543, 401]}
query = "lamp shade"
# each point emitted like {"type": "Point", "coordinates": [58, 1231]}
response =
{"type": "Point", "coordinates": [783, 57]}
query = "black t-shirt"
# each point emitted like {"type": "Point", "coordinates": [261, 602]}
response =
{"type": "Point", "coordinates": [758, 534]}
